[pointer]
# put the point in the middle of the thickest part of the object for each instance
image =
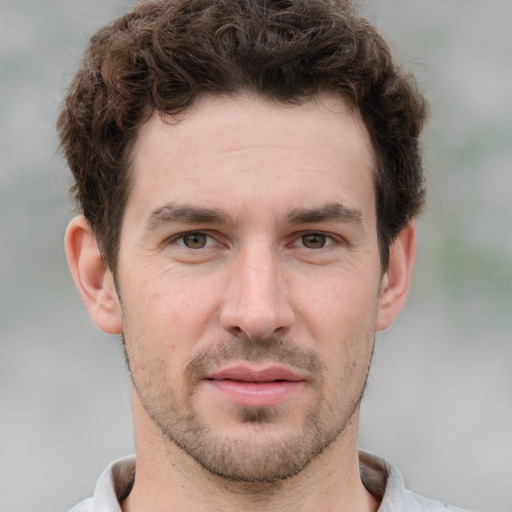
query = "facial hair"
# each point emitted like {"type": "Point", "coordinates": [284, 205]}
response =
{"type": "Point", "coordinates": [262, 452]}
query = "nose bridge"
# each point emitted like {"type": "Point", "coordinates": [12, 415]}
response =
{"type": "Point", "coordinates": [256, 282]}
{"type": "Point", "coordinates": [256, 302]}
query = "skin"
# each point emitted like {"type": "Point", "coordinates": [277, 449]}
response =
{"type": "Point", "coordinates": [249, 244]}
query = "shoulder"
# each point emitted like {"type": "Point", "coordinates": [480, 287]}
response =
{"type": "Point", "coordinates": [83, 506]}
{"type": "Point", "coordinates": [384, 480]}
{"type": "Point", "coordinates": [423, 504]}
{"type": "Point", "coordinates": [428, 505]}
{"type": "Point", "coordinates": [113, 485]}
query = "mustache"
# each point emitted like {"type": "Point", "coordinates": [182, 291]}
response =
{"type": "Point", "coordinates": [269, 350]}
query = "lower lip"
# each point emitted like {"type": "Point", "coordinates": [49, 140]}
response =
{"type": "Point", "coordinates": [257, 394]}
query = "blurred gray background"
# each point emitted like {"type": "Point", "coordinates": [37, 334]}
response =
{"type": "Point", "coordinates": [439, 401]}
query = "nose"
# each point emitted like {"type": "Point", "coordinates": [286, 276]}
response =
{"type": "Point", "coordinates": [256, 301]}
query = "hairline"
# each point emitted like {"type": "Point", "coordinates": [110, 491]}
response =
{"type": "Point", "coordinates": [149, 111]}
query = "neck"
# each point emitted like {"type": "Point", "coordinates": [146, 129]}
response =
{"type": "Point", "coordinates": [168, 479]}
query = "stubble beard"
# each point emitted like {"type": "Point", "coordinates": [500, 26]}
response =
{"type": "Point", "coordinates": [257, 459]}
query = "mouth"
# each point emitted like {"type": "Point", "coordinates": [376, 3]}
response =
{"type": "Point", "coordinates": [250, 387]}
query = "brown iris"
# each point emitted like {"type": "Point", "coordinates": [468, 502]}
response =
{"type": "Point", "coordinates": [195, 240]}
{"type": "Point", "coordinates": [314, 241]}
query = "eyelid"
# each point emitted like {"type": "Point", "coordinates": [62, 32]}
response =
{"type": "Point", "coordinates": [331, 238]}
{"type": "Point", "coordinates": [175, 239]}
{"type": "Point", "coordinates": [213, 240]}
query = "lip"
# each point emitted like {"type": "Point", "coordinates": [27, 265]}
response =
{"type": "Point", "coordinates": [247, 374]}
{"type": "Point", "coordinates": [251, 387]}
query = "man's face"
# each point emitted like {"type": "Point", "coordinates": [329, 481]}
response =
{"type": "Point", "coordinates": [249, 278]}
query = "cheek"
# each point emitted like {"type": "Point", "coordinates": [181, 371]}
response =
{"type": "Point", "coordinates": [342, 305]}
{"type": "Point", "coordinates": [166, 309]}
{"type": "Point", "coordinates": [341, 322]}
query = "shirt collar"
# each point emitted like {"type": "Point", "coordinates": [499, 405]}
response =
{"type": "Point", "coordinates": [381, 478]}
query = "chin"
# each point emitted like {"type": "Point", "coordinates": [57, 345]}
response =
{"type": "Point", "coordinates": [259, 449]}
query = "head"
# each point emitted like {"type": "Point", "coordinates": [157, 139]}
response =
{"type": "Point", "coordinates": [247, 171]}
{"type": "Point", "coordinates": [165, 55]}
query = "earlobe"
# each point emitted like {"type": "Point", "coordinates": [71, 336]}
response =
{"type": "Point", "coordinates": [397, 279]}
{"type": "Point", "coordinates": [92, 276]}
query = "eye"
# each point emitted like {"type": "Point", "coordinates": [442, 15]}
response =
{"type": "Point", "coordinates": [315, 240]}
{"type": "Point", "coordinates": [195, 240]}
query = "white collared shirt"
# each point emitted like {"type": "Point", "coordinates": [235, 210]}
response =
{"type": "Point", "coordinates": [382, 479]}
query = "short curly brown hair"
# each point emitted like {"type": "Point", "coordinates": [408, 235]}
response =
{"type": "Point", "coordinates": [165, 54]}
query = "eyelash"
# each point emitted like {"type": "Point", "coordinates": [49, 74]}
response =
{"type": "Point", "coordinates": [180, 239]}
{"type": "Point", "coordinates": [328, 240]}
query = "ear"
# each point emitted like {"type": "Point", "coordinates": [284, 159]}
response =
{"type": "Point", "coordinates": [397, 279]}
{"type": "Point", "coordinates": [92, 276]}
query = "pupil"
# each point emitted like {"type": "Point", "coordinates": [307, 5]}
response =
{"type": "Point", "coordinates": [314, 241]}
{"type": "Point", "coordinates": [194, 240]}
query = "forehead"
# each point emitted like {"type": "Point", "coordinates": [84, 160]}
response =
{"type": "Point", "coordinates": [228, 151]}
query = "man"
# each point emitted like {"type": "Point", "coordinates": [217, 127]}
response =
{"type": "Point", "coordinates": [248, 173]}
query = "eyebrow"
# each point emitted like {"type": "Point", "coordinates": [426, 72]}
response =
{"type": "Point", "coordinates": [336, 212]}
{"type": "Point", "coordinates": [186, 214]}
